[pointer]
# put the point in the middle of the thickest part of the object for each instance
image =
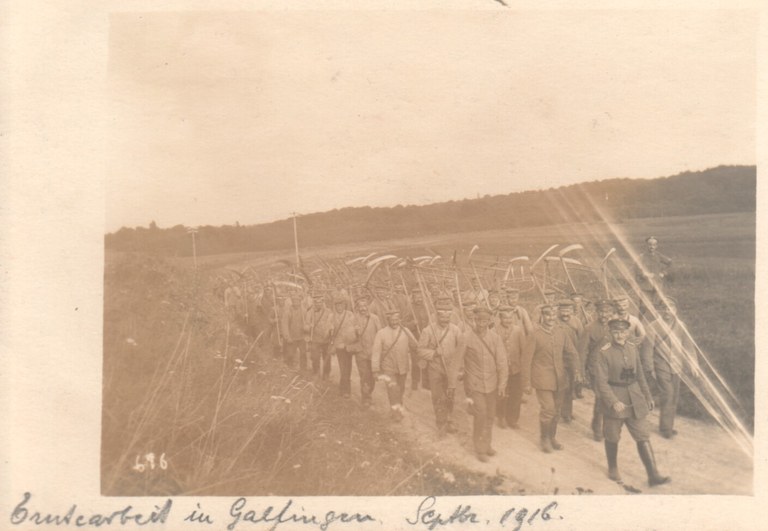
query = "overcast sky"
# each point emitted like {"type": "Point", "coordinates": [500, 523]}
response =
{"type": "Point", "coordinates": [224, 117]}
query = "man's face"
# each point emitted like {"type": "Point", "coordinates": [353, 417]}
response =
{"type": "Point", "coordinates": [317, 304]}
{"type": "Point", "coordinates": [565, 313]}
{"type": "Point", "coordinates": [482, 320]}
{"type": "Point", "coordinates": [381, 293]}
{"type": "Point", "coordinates": [494, 300]}
{"type": "Point", "coordinates": [418, 298]}
{"type": "Point", "coordinates": [651, 245]}
{"type": "Point", "coordinates": [512, 299]}
{"type": "Point", "coordinates": [604, 313]}
{"type": "Point", "coordinates": [393, 320]}
{"type": "Point", "coordinates": [506, 320]}
{"type": "Point", "coordinates": [443, 317]}
{"type": "Point", "coordinates": [669, 312]}
{"type": "Point", "coordinates": [475, 283]}
{"type": "Point", "coordinates": [548, 319]}
{"type": "Point", "coordinates": [362, 308]}
{"type": "Point", "coordinates": [620, 335]}
{"type": "Point", "coordinates": [622, 306]}
{"type": "Point", "coordinates": [339, 307]}
{"type": "Point", "coordinates": [577, 300]}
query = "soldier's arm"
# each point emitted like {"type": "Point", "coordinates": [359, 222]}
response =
{"type": "Point", "coordinates": [376, 352]}
{"type": "Point", "coordinates": [458, 364]}
{"type": "Point", "coordinates": [604, 390]}
{"type": "Point", "coordinates": [642, 381]}
{"type": "Point", "coordinates": [572, 356]}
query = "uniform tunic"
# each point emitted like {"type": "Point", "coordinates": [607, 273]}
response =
{"type": "Point", "coordinates": [620, 378]}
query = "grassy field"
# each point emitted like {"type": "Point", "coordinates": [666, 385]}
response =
{"type": "Point", "coordinates": [181, 383]}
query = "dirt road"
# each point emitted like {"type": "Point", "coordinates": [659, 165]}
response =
{"type": "Point", "coordinates": [702, 459]}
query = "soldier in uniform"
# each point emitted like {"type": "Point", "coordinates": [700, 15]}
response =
{"type": "Point", "coordinates": [667, 351]}
{"type": "Point", "coordinates": [293, 332]}
{"type": "Point", "coordinates": [552, 350]}
{"type": "Point", "coordinates": [519, 314]}
{"type": "Point", "coordinates": [595, 336]}
{"type": "Point", "coordinates": [653, 271]}
{"type": "Point", "coordinates": [318, 329]}
{"type": "Point", "coordinates": [366, 326]}
{"type": "Point", "coordinates": [485, 378]}
{"type": "Point", "coordinates": [390, 358]}
{"type": "Point", "coordinates": [625, 399]}
{"type": "Point", "coordinates": [574, 328]}
{"type": "Point", "coordinates": [516, 344]}
{"type": "Point", "coordinates": [439, 346]}
{"type": "Point", "coordinates": [636, 328]}
{"type": "Point", "coordinates": [343, 342]}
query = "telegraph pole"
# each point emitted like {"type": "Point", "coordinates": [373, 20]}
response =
{"type": "Point", "coordinates": [193, 231]}
{"type": "Point", "coordinates": [296, 239]}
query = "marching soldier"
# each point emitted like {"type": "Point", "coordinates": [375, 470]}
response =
{"type": "Point", "coordinates": [668, 350]}
{"type": "Point", "coordinates": [485, 378]}
{"type": "Point", "coordinates": [519, 314]}
{"type": "Point", "coordinates": [293, 332]}
{"type": "Point", "coordinates": [595, 336]}
{"type": "Point", "coordinates": [390, 358]}
{"type": "Point", "coordinates": [439, 346]}
{"type": "Point", "coordinates": [625, 399]}
{"type": "Point", "coordinates": [366, 326]}
{"type": "Point", "coordinates": [636, 328]}
{"type": "Point", "coordinates": [574, 328]}
{"type": "Point", "coordinates": [318, 327]}
{"type": "Point", "coordinates": [552, 350]}
{"type": "Point", "coordinates": [343, 342]}
{"type": "Point", "coordinates": [516, 344]}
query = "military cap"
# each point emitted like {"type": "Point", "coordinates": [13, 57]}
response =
{"type": "Point", "coordinates": [565, 303]}
{"type": "Point", "coordinates": [649, 238]}
{"type": "Point", "coordinates": [510, 290]}
{"type": "Point", "coordinates": [549, 291]}
{"type": "Point", "coordinates": [664, 302]}
{"type": "Point", "coordinates": [361, 299]}
{"type": "Point", "coordinates": [468, 305]}
{"type": "Point", "coordinates": [443, 305]}
{"type": "Point", "coordinates": [619, 298]}
{"type": "Point", "coordinates": [547, 308]}
{"type": "Point", "coordinates": [391, 312]}
{"type": "Point", "coordinates": [481, 310]}
{"type": "Point", "coordinates": [339, 299]}
{"type": "Point", "coordinates": [618, 324]}
{"type": "Point", "coordinates": [505, 308]}
{"type": "Point", "coordinates": [603, 303]}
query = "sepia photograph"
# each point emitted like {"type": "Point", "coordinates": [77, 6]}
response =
{"type": "Point", "coordinates": [459, 264]}
{"type": "Point", "coordinates": [363, 253]}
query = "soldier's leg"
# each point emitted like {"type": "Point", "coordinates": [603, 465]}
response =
{"type": "Point", "coordinates": [478, 411]}
{"type": "Point", "coordinates": [366, 378]}
{"type": "Point", "coordinates": [326, 351]}
{"type": "Point", "coordinates": [667, 404]}
{"type": "Point", "coordinates": [560, 397]}
{"type": "Point", "coordinates": [514, 399]}
{"type": "Point", "coordinates": [401, 385]}
{"type": "Point", "coordinates": [675, 400]}
{"type": "Point", "coordinates": [345, 371]}
{"type": "Point", "coordinates": [415, 371]}
{"type": "Point", "coordinates": [315, 350]}
{"type": "Point", "coordinates": [302, 349]}
{"type": "Point", "coordinates": [501, 409]}
{"type": "Point", "coordinates": [641, 432]}
{"type": "Point", "coordinates": [393, 393]}
{"type": "Point", "coordinates": [291, 350]}
{"type": "Point", "coordinates": [597, 414]}
{"type": "Point", "coordinates": [490, 413]}
{"type": "Point", "coordinates": [425, 380]}
{"type": "Point", "coordinates": [566, 412]}
{"type": "Point", "coordinates": [547, 412]}
{"type": "Point", "coordinates": [438, 387]}
{"type": "Point", "coordinates": [612, 431]}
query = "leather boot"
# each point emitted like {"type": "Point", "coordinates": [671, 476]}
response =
{"type": "Point", "coordinates": [553, 434]}
{"type": "Point", "coordinates": [546, 444]}
{"type": "Point", "coordinates": [597, 426]}
{"type": "Point", "coordinates": [611, 453]}
{"type": "Point", "coordinates": [645, 450]}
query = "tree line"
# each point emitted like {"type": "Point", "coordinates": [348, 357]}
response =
{"type": "Point", "coordinates": [723, 189]}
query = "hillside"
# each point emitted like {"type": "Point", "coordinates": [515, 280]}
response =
{"type": "Point", "coordinates": [717, 190]}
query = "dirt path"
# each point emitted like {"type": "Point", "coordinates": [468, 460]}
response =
{"type": "Point", "coordinates": [702, 459]}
